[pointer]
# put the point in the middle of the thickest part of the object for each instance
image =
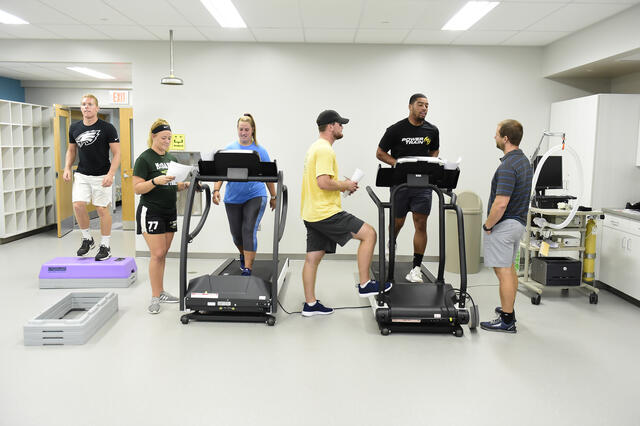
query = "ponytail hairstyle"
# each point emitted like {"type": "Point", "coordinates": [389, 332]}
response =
{"type": "Point", "coordinates": [158, 122]}
{"type": "Point", "coordinates": [248, 118]}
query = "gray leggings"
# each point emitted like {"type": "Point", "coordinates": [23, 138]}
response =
{"type": "Point", "coordinates": [244, 220]}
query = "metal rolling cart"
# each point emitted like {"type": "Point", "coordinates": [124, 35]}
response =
{"type": "Point", "coordinates": [577, 226]}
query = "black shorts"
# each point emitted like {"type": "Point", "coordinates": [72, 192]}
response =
{"type": "Point", "coordinates": [337, 229]}
{"type": "Point", "coordinates": [153, 222]}
{"type": "Point", "coordinates": [415, 200]}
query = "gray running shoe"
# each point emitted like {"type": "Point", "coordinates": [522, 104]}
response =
{"type": "Point", "coordinates": [168, 298]}
{"type": "Point", "coordinates": [154, 307]}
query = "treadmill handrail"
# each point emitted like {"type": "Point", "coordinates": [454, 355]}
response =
{"type": "Point", "coordinates": [203, 218]}
{"type": "Point", "coordinates": [283, 213]}
{"type": "Point", "coordinates": [212, 178]}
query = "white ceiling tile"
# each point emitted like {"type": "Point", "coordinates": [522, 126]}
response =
{"type": "Point", "coordinates": [535, 38]}
{"type": "Point", "coordinates": [186, 33]}
{"type": "Point", "coordinates": [397, 14]}
{"type": "Point", "coordinates": [419, 36]}
{"type": "Point", "coordinates": [227, 34]}
{"type": "Point", "coordinates": [329, 35]}
{"type": "Point", "coordinates": [194, 12]}
{"type": "Point", "coordinates": [483, 38]}
{"type": "Point", "coordinates": [156, 12]}
{"type": "Point", "coordinates": [35, 12]}
{"type": "Point", "coordinates": [394, 36]}
{"type": "Point", "coordinates": [573, 17]}
{"type": "Point", "coordinates": [125, 32]}
{"type": "Point", "coordinates": [76, 32]}
{"type": "Point", "coordinates": [331, 13]}
{"type": "Point", "coordinates": [285, 35]}
{"type": "Point", "coordinates": [436, 14]}
{"type": "Point", "coordinates": [515, 16]}
{"type": "Point", "coordinates": [29, 32]}
{"type": "Point", "coordinates": [270, 14]}
{"type": "Point", "coordinates": [89, 11]}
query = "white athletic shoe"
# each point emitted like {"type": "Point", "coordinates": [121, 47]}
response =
{"type": "Point", "coordinates": [415, 275]}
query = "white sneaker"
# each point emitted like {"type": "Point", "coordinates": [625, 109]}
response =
{"type": "Point", "coordinates": [415, 275]}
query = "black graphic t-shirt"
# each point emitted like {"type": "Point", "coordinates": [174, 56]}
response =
{"type": "Point", "coordinates": [406, 140]}
{"type": "Point", "coordinates": [149, 165]}
{"type": "Point", "coordinates": [93, 146]}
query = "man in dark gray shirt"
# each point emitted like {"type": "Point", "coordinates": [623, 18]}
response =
{"type": "Point", "coordinates": [506, 219]}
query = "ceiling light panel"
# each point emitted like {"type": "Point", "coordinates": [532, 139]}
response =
{"type": "Point", "coordinates": [91, 73]}
{"type": "Point", "coordinates": [225, 13]}
{"type": "Point", "coordinates": [9, 19]}
{"type": "Point", "coordinates": [470, 13]}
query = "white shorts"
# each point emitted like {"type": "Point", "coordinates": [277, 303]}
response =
{"type": "Point", "coordinates": [90, 190]}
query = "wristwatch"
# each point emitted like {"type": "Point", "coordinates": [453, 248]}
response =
{"type": "Point", "coordinates": [154, 182]}
{"type": "Point", "coordinates": [273, 197]}
{"type": "Point", "coordinates": [485, 228]}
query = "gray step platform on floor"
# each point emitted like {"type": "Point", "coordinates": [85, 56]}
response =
{"type": "Point", "coordinates": [50, 327]}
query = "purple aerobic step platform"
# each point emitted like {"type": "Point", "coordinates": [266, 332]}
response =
{"type": "Point", "coordinates": [86, 272]}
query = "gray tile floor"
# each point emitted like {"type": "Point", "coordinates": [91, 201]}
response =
{"type": "Point", "coordinates": [571, 363]}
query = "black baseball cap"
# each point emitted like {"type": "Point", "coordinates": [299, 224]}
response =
{"type": "Point", "coordinates": [329, 116]}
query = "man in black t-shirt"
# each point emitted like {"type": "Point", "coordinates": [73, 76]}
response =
{"type": "Point", "coordinates": [412, 137]}
{"type": "Point", "coordinates": [92, 139]}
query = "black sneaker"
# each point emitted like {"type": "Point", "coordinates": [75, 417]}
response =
{"type": "Point", "coordinates": [104, 253]}
{"type": "Point", "coordinates": [499, 325]}
{"type": "Point", "coordinates": [317, 309]}
{"type": "Point", "coordinates": [85, 247]}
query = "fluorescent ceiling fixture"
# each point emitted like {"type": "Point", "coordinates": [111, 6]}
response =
{"type": "Point", "coordinates": [7, 18]}
{"type": "Point", "coordinates": [225, 13]}
{"type": "Point", "coordinates": [91, 73]}
{"type": "Point", "coordinates": [471, 13]}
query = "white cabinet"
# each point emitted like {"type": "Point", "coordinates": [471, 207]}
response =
{"type": "Point", "coordinates": [620, 255]}
{"type": "Point", "coordinates": [27, 169]}
{"type": "Point", "coordinates": [603, 129]}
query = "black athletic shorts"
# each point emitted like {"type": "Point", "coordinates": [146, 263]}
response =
{"type": "Point", "coordinates": [416, 200]}
{"type": "Point", "coordinates": [153, 222]}
{"type": "Point", "coordinates": [324, 234]}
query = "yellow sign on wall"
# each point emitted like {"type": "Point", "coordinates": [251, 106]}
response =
{"type": "Point", "coordinates": [177, 143]}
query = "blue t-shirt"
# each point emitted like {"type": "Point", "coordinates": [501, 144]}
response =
{"type": "Point", "coordinates": [241, 192]}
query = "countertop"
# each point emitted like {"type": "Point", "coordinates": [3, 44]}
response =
{"type": "Point", "coordinates": [627, 213]}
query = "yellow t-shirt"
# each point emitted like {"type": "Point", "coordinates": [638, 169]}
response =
{"type": "Point", "coordinates": [318, 204]}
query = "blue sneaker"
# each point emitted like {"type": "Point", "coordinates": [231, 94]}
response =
{"type": "Point", "coordinates": [245, 272]}
{"type": "Point", "coordinates": [499, 325]}
{"type": "Point", "coordinates": [317, 309]}
{"type": "Point", "coordinates": [241, 261]}
{"type": "Point", "coordinates": [372, 288]}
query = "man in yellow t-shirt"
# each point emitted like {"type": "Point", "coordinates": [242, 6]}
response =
{"type": "Point", "coordinates": [327, 224]}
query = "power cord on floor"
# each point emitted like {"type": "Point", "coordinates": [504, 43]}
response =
{"type": "Point", "coordinates": [335, 309]}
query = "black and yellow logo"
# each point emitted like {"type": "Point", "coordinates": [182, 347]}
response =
{"type": "Point", "coordinates": [427, 140]}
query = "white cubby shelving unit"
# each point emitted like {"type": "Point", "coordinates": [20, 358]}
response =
{"type": "Point", "coordinates": [27, 169]}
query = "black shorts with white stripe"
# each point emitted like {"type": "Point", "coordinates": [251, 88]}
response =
{"type": "Point", "coordinates": [154, 222]}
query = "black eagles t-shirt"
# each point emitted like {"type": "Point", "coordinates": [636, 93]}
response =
{"type": "Point", "coordinates": [406, 140]}
{"type": "Point", "coordinates": [93, 146]}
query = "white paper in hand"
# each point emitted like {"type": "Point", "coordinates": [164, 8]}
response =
{"type": "Point", "coordinates": [356, 177]}
{"type": "Point", "coordinates": [180, 171]}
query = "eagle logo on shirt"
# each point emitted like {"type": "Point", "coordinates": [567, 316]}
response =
{"type": "Point", "coordinates": [427, 140]}
{"type": "Point", "coordinates": [87, 138]}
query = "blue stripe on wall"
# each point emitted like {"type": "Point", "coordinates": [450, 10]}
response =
{"type": "Point", "coordinates": [11, 90]}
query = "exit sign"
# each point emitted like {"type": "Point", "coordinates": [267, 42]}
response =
{"type": "Point", "coordinates": [119, 97]}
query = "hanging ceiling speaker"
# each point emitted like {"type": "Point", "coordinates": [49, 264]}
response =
{"type": "Point", "coordinates": [171, 79]}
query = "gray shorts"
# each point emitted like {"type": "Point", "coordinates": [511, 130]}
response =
{"type": "Point", "coordinates": [415, 200]}
{"type": "Point", "coordinates": [501, 246]}
{"type": "Point", "coordinates": [324, 234]}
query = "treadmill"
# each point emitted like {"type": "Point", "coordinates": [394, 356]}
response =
{"type": "Point", "coordinates": [433, 306]}
{"type": "Point", "coordinates": [225, 295]}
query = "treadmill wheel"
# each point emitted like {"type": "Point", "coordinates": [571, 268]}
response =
{"type": "Point", "coordinates": [458, 332]}
{"type": "Point", "coordinates": [593, 298]}
{"type": "Point", "coordinates": [271, 321]}
{"type": "Point", "coordinates": [474, 317]}
{"type": "Point", "coordinates": [385, 331]}
{"type": "Point", "coordinates": [535, 299]}
{"type": "Point", "coordinates": [184, 319]}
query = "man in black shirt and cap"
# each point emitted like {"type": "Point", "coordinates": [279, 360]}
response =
{"type": "Point", "coordinates": [412, 137]}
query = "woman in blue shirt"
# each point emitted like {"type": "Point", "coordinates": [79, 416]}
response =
{"type": "Point", "coordinates": [245, 202]}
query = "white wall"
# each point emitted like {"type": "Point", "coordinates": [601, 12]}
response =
{"type": "Point", "coordinates": [614, 36]}
{"type": "Point", "coordinates": [285, 86]}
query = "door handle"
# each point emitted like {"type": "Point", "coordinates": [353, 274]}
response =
{"type": "Point", "coordinates": [629, 244]}
{"type": "Point", "coordinates": [624, 245]}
